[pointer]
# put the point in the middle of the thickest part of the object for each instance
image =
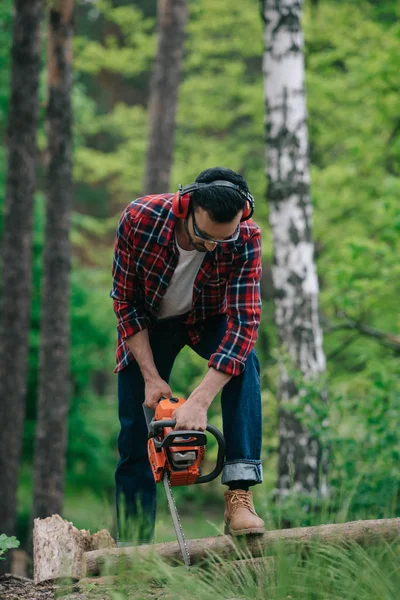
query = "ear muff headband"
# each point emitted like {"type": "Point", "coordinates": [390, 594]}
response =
{"type": "Point", "coordinates": [181, 200]}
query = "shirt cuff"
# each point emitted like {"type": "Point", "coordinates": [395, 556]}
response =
{"type": "Point", "coordinates": [128, 328]}
{"type": "Point", "coordinates": [226, 364]}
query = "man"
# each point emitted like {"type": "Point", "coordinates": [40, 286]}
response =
{"type": "Point", "coordinates": [186, 271]}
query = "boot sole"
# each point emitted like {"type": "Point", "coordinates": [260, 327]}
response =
{"type": "Point", "coordinates": [249, 531]}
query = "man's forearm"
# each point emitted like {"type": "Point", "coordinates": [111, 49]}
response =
{"type": "Point", "coordinates": [139, 345]}
{"type": "Point", "coordinates": [212, 383]}
{"type": "Point", "coordinates": [193, 413]}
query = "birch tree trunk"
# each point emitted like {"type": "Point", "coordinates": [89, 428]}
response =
{"type": "Point", "coordinates": [172, 17]}
{"type": "Point", "coordinates": [17, 249]}
{"type": "Point", "coordinates": [52, 417]}
{"type": "Point", "coordinates": [294, 270]}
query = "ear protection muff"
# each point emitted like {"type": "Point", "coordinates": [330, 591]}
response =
{"type": "Point", "coordinates": [181, 200]}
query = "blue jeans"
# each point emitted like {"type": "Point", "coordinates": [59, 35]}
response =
{"type": "Point", "coordinates": [241, 416]}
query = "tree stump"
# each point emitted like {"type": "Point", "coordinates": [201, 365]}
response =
{"type": "Point", "coordinates": [59, 548]}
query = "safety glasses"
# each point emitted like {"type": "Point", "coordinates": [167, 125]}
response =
{"type": "Point", "coordinates": [206, 238]}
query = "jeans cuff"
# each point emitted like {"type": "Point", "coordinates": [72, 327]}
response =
{"type": "Point", "coordinates": [242, 470]}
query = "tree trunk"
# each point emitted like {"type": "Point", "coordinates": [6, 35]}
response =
{"type": "Point", "coordinates": [17, 249]}
{"type": "Point", "coordinates": [52, 417]}
{"type": "Point", "coordinates": [364, 533]}
{"type": "Point", "coordinates": [294, 270]}
{"type": "Point", "coordinates": [172, 16]}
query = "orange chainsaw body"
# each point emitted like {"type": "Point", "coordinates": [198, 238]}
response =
{"type": "Point", "coordinates": [161, 459]}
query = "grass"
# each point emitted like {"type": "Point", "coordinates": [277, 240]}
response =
{"type": "Point", "coordinates": [324, 573]}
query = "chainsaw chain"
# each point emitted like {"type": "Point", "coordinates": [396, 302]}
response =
{"type": "Point", "coordinates": [176, 520]}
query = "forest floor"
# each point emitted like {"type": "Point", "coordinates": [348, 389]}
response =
{"type": "Point", "coordinates": [19, 588]}
{"type": "Point", "coordinates": [199, 523]}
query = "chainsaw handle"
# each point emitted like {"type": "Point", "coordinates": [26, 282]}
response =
{"type": "Point", "coordinates": [154, 426]}
{"type": "Point", "coordinates": [220, 457]}
{"type": "Point", "coordinates": [196, 438]}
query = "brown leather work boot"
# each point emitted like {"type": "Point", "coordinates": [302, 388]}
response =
{"type": "Point", "coordinates": [240, 515]}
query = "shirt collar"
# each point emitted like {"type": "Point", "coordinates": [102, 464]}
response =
{"type": "Point", "coordinates": [166, 235]}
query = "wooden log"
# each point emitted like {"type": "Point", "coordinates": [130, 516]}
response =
{"type": "Point", "coordinates": [102, 539]}
{"type": "Point", "coordinates": [59, 548]}
{"type": "Point", "coordinates": [360, 532]}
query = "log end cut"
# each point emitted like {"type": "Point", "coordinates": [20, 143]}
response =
{"type": "Point", "coordinates": [59, 549]}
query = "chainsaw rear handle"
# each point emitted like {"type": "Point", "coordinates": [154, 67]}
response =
{"type": "Point", "coordinates": [155, 426]}
{"type": "Point", "coordinates": [220, 457]}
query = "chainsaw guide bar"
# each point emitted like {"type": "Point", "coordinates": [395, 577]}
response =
{"type": "Point", "coordinates": [176, 520]}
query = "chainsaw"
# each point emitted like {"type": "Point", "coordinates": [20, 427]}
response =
{"type": "Point", "coordinates": [176, 456]}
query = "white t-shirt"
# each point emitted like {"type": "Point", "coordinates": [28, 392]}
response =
{"type": "Point", "coordinates": [177, 299]}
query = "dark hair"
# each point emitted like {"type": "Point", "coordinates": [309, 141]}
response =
{"type": "Point", "coordinates": [221, 203]}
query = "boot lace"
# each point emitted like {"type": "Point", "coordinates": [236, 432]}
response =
{"type": "Point", "coordinates": [237, 500]}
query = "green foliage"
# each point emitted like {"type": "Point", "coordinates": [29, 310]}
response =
{"type": "Point", "coordinates": [221, 69]}
{"type": "Point", "coordinates": [127, 47]}
{"type": "Point", "coordinates": [365, 444]}
{"type": "Point", "coordinates": [353, 87]}
{"type": "Point", "coordinates": [7, 543]}
{"type": "Point", "coordinates": [121, 167]}
{"type": "Point", "coordinates": [355, 137]}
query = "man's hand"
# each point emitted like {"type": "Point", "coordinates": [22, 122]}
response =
{"type": "Point", "coordinates": [190, 416]}
{"type": "Point", "coordinates": [193, 414]}
{"type": "Point", "coordinates": [154, 390]}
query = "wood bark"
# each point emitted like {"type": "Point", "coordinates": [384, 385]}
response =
{"type": "Point", "coordinates": [222, 547]}
{"type": "Point", "coordinates": [52, 416]}
{"type": "Point", "coordinates": [172, 17]}
{"type": "Point", "coordinates": [296, 290]}
{"type": "Point", "coordinates": [17, 249]}
{"type": "Point", "coordinates": [58, 548]}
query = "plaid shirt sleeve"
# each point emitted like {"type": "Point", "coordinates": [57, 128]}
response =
{"type": "Point", "coordinates": [127, 293]}
{"type": "Point", "coordinates": [243, 310]}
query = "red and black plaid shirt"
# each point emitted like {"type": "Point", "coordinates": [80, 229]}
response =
{"type": "Point", "coordinates": [228, 281]}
